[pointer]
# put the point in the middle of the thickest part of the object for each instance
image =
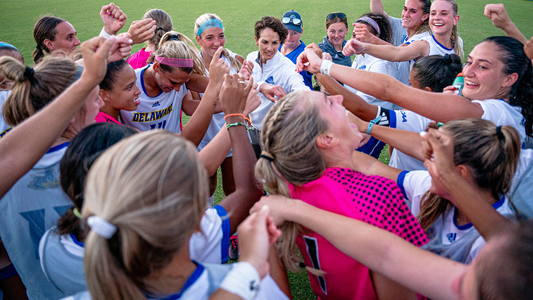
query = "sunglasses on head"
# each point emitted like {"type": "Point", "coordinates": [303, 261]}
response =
{"type": "Point", "coordinates": [291, 19]}
{"type": "Point", "coordinates": [339, 15]}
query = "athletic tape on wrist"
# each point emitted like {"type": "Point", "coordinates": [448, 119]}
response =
{"type": "Point", "coordinates": [243, 280]}
{"type": "Point", "coordinates": [325, 67]}
{"type": "Point", "coordinates": [104, 34]}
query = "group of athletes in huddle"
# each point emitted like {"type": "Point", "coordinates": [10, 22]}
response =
{"type": "Point", "coordinates": [106, 194]}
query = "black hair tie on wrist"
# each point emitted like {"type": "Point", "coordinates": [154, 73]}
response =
{"type": "Point", "coordinates": [28, 74]}
{"type": "Point", "coordinates": [447, 59]}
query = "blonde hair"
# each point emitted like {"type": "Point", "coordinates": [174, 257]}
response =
{"type": "Point", "coordinates": [289, 134]}
{"type": "Point", "coordinates": [176, 45]}
{"type": "Point", "coordinates": [163, 24]}
{"type": "Point", "coordinates": [153, 188]}
{"type": "Point", "coordinates": [491, 159]}
{"type": "Point", "coordinates": [455, 36]}
{"type": "Point", "coordinates": [235, 64]}
{"type": "Point", "coordinates": [50, 77]}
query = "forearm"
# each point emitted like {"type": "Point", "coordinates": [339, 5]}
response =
{"type": "Point", "coordinates": [214, 153]}
{"type": "Point", "coordinates": [247, 190]}
{"type": "Point", "coordinates": [197, 125]}
{"type": "Point", "coordinates": [512, 31]}
{"type": "Point", "coordinates": [382, 251]}
{"type": "Point", "coordinates": [376, 7]}
{"type": "Point", "coordinates": [355, 104]}
{"type": "Point", "coordinates": [392, 53]}
{"type": "Point", "coordinates": [23, 147]}
{"type": "Point", "coordinates": [368, 165]}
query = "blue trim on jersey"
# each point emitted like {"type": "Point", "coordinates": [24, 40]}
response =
{"type": "Point", "coordinates": [58, 147]}
{"type": "Point", "coordinates": [75, 240]}
{"type": "Point", "coordinates": [495, 205]}
{"type": "Point", "coordinates": [392, 117]}
{"type": "Point", "coordinates": [449, 49]}
{"type": "Point", "coordinates": [142, 82]}
{"type": "Point", "coordinates": [399, 182]}
{"type": "Point", "coordinates": [221, 211]}
{"type": "Point", "coordinates": [8, 271]}
{"type": "Point", "coordinates": [190, 281]}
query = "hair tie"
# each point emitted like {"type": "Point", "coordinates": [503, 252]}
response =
{"type": "Point", "coordinates": [102, 227]}
{"type": "Point", "coordinates": [447, 59]}
{"type": "Point", "coordinates": [267, 156]}
{"type": "Point", "coordinates": [174, 37]}
{"type": "Point", "coordinates": [28, 74]}
{"type": "Point", "coordinates": [499, 133]}
{"type": "Point", "coordinates": [77, 213]}
{"type": "Point", "coordinates": [209, 24]}
{"type": "Point", "coordinates": [370, 22]}
{"type": "Point", "coordinates": [39, 48]}
{"type": "Point", "coordinates": [159, 28]}
{"type": "Point", "coordinates": [175, 62]}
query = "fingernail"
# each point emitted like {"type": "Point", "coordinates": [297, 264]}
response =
{"type": "Point", "coordinates": [265, 207]}
{"type": "Point", "coordinates": [130, 41]}
{"type": "Point", "coordinates": [423, 133]}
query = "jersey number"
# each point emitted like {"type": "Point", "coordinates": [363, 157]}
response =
{"type": "Point", "coordinates": [312, 249]}
{"type": "Point", "coordinates": [160, 125]}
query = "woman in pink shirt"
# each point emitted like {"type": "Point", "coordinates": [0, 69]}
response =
{"type": "Point", "coordinates": [308, 145]}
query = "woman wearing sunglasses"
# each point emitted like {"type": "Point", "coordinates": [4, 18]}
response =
{"type": "Point", "coordinates": [334, 41]}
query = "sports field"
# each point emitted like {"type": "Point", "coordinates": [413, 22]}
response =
{"type": "Point", "coordinates": [19, 16]}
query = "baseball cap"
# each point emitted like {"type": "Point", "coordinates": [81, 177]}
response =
{"type": "Point", "coordinates": [292, 21]}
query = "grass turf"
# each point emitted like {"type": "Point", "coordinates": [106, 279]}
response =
{"type": "Point", "coordinates": [18, 18]}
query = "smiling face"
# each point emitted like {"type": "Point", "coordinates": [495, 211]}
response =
{"type": "Point", "coordinates": [413, 15]}
{"type": "Point", "coordinates": [210, 40]}
{"type": "Point", "coordinates": [65, 38]}
{"type": "Point", "coordinates": [442, 17]}
{"type": "Point", "coordinates": [336, 34]}
{"type": "Point", "coordinates": [125, 93]}
{"type": "Point", "coordinates": [293, 39]}
{"type": "Point", "coordinates": [268, 44]}
{"type": "Point", "coordinates": [169, 81]}
{"type": "Point", "coordinates": [483, 74]}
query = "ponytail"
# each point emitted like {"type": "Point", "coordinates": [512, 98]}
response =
{"type": "Point", "coordinates": [163, 23]}
{"type": "Point", "coordinates": [44, 29]}
{"type": "Point", "coordinates": [176, 45]}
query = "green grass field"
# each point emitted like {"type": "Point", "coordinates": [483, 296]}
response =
{"type": "Point", "coordinates": [18, 18]}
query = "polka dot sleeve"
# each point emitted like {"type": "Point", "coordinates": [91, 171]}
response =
{"type": "Point", "coordinates": [380, 202]}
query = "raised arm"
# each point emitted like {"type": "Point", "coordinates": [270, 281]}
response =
{"type": "Point", "coordinates": [500, 18]}
{"type": "Point", "coordinates": [113, 18]}
{"type": "Point", "coordinates": [233, 98]}
{"type": "Point", "coordinates": [388, 52]}
{"type": "Point", "coordinates": [376, 7]}
{"type": "Point", "coordinates": [486, 219]}
{"type": "Point", "coordinates": [436, 106]}
{"type": "Point", "coordinates": [379, 250]}
{"type": "Point", "coordinates": [23, 147]}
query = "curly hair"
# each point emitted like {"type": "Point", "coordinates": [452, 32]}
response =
{"type": "Point", "coordinates": [274, 24]}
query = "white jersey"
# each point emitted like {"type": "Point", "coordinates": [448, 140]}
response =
{"type": "Point", "coordinates": [62, 255]}
{"type": "Point", "coordinates": [458, 242]}
{"type": "Point", "coordinates": [410, 121]}
{"type": "Point", "coordinates": [159, 112]}
{"type": "Point", "coordinates": [204, 281]}
{"type": "Point", "coordinates": [370, 63]}
{"type": "Point", "coordinates": [217, 121]}
{"type": "Point", "coordinates": [277, 71]}
{"type": "Point", "coordinates": [399, 33]}
{"type": "Point", "coordinates": [404, 67]}
{"type": "Point", "coordinates": [436, 48]}
{"type": "Point", "coordinates": [4, 127]}
{"type": "Point", "coordinates": [502, 113]}
{"type": "Point", "coordinates": [522, 185]}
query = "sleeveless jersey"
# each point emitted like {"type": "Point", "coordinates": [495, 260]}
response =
{"type": "Point", "coordinates": [371, 199]}
{"type": "Point", "coordinates": [159, 112]}
{"type": "Point", "coordinates": [4, 127]}
{"type": "Point", "coordinates": [436, 48]}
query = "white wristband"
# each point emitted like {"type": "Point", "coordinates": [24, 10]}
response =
{"type": "Point", "coordinates": [325, 67]}
{"type": "Point", "coordinates": [104, 34]}
{"type": "Point", "coordinates": [243, 280]}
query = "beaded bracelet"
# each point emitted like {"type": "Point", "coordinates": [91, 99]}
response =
{"type": "Point", "coordinates": [236, 124]}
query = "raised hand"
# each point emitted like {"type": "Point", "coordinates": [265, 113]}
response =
{"type": "Point", "coordinates": [246, 70]}
{"type": "Point", "coordinates": [95, 57]}
{"type": "Point", "coordinates": [233, 94]}
{"type": "Point", "coordinates": [361, 33]}
{"type": "Point", "coordinates": [353, 47]}
{"type": "Point", "coordinates": [142, 30]}
{"type": "Point", "coordinates": [121, 48]}
{"type": "Point", "coordinates": [498, 15]}
{"type": "Point", "coordinates": [272, 92]}
{"type": "Point", "coordinates": [309, 61]}
{"type": "Point", "coordinates": [218, 68]}
{"type": "Point", "coordinates": [113, 18]}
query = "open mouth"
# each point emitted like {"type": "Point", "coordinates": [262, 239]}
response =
{"type": "Point", "coordinates": [471, 84]}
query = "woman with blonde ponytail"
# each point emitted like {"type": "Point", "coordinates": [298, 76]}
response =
{"type": "Point", "coordinates": [308, 145]}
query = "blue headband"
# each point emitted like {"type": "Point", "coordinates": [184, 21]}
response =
{"type": "Point", "coordinates": [8, 45]}
{"type": "Point", "coordinates": [209, 24]}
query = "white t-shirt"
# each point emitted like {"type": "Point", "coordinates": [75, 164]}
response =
{"type": "Point", "coordinates": [373, 64]}
{"type": "Point", "coordinates": [436, 48]}
{"type": "Point", "coordinates": [414, 185]}
{"type": "Point", "coordinates": [159, 112]}
{"type": "Point", "coordinates": [4, 127]}
{"type": "Point", "coordinates": [502, 113]}
{"type": "Point", "coordinates": [278, 70]}
{"type": "Point", "coordinates": [410, 121]}
{"type": "Point", "coordinates": [404, 67]}
{"type": "Point", "coordinates": [399, 34]}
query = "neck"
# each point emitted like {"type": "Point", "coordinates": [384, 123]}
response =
{"type": "Point", "coordinates": [149, 47]}
{"type": "Point", "coordinates": [108, 109]}
{"type": "Point", "coordinates": [411, 31]}
{"type": "Point", "coordinates": [462, 219]}
{"type": "Point", "coordinates": [66, 136]}
{"type": "Point", "coordinates": [338, 158]}
{"type": "Point", "coordinates": [337, 47]}
{"type": "Point", "coordinates": [286, 50]}
{"type": "Point", "coordinates": [150, 84]}
{"type": "Point", "coordinates": [171, 279]}
{"type": "Point", "coordinates": [445, 39]}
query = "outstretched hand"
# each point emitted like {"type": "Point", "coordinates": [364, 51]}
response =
{"type": "Point", "coordinates": [233, 94]}
{"type": "Point", "coordinates": [438, 149]}
{"type": "Point", "coordinates": [246, 70]}
{"type": "Point", "coordinates": [121, 48]}
{"type": "Point", "coordinates": [142, 30]}
{"type": "Point", "coordinates": [113, 18]}
{"type": "Point", "coordinates": [309, 61]}
{"type": "Point", "coordinates": [277, 205]}
{"type": "Point", "coordinates": [352, 47]}
{"type": "Point", "coordinates": [218, 68]}
{"type": "Point", "coordinates": [272, 92]}
{"type": "Point", "coordinates": [361, 33]}
{"type": "Point", "coordinates": [95, 57]}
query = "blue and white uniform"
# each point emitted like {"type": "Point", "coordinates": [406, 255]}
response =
{"type": "Point", "coordinates": [404, 67]}
{"type": "Point", "coordinates": [436, 48]}
{"type": "Point", "coordinates": [204, 281]}
{"type": "Point", "coordinates": [4, 127]}
{"type": "Point", "coordinates": [293, 56]}
{"type": "Point", "coordinates": [461, 243]}
{"type": "Point", "coordinates": [159, 112]}
{"type": "Point", "coordinates": [32, 206]}
{"type": "Point", "coordinates": [279, 70]}
{"type": "Point", "coordinates": [522, 186]}
{"type": "Point", "coordinates": [399, 34]}
{"type": "Point", "coordinates": [62, 255]}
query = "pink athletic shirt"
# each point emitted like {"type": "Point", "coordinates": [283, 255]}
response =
{"type": "Point", "coordinates": [139, 58]}
{"type": "Point", "coordinates": [372, 199]}
{"type": "Point", "coordinates": [103, 117]}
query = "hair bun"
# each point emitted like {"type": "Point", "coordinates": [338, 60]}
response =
{"type": "Point", "coordinates": [446, 59]}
